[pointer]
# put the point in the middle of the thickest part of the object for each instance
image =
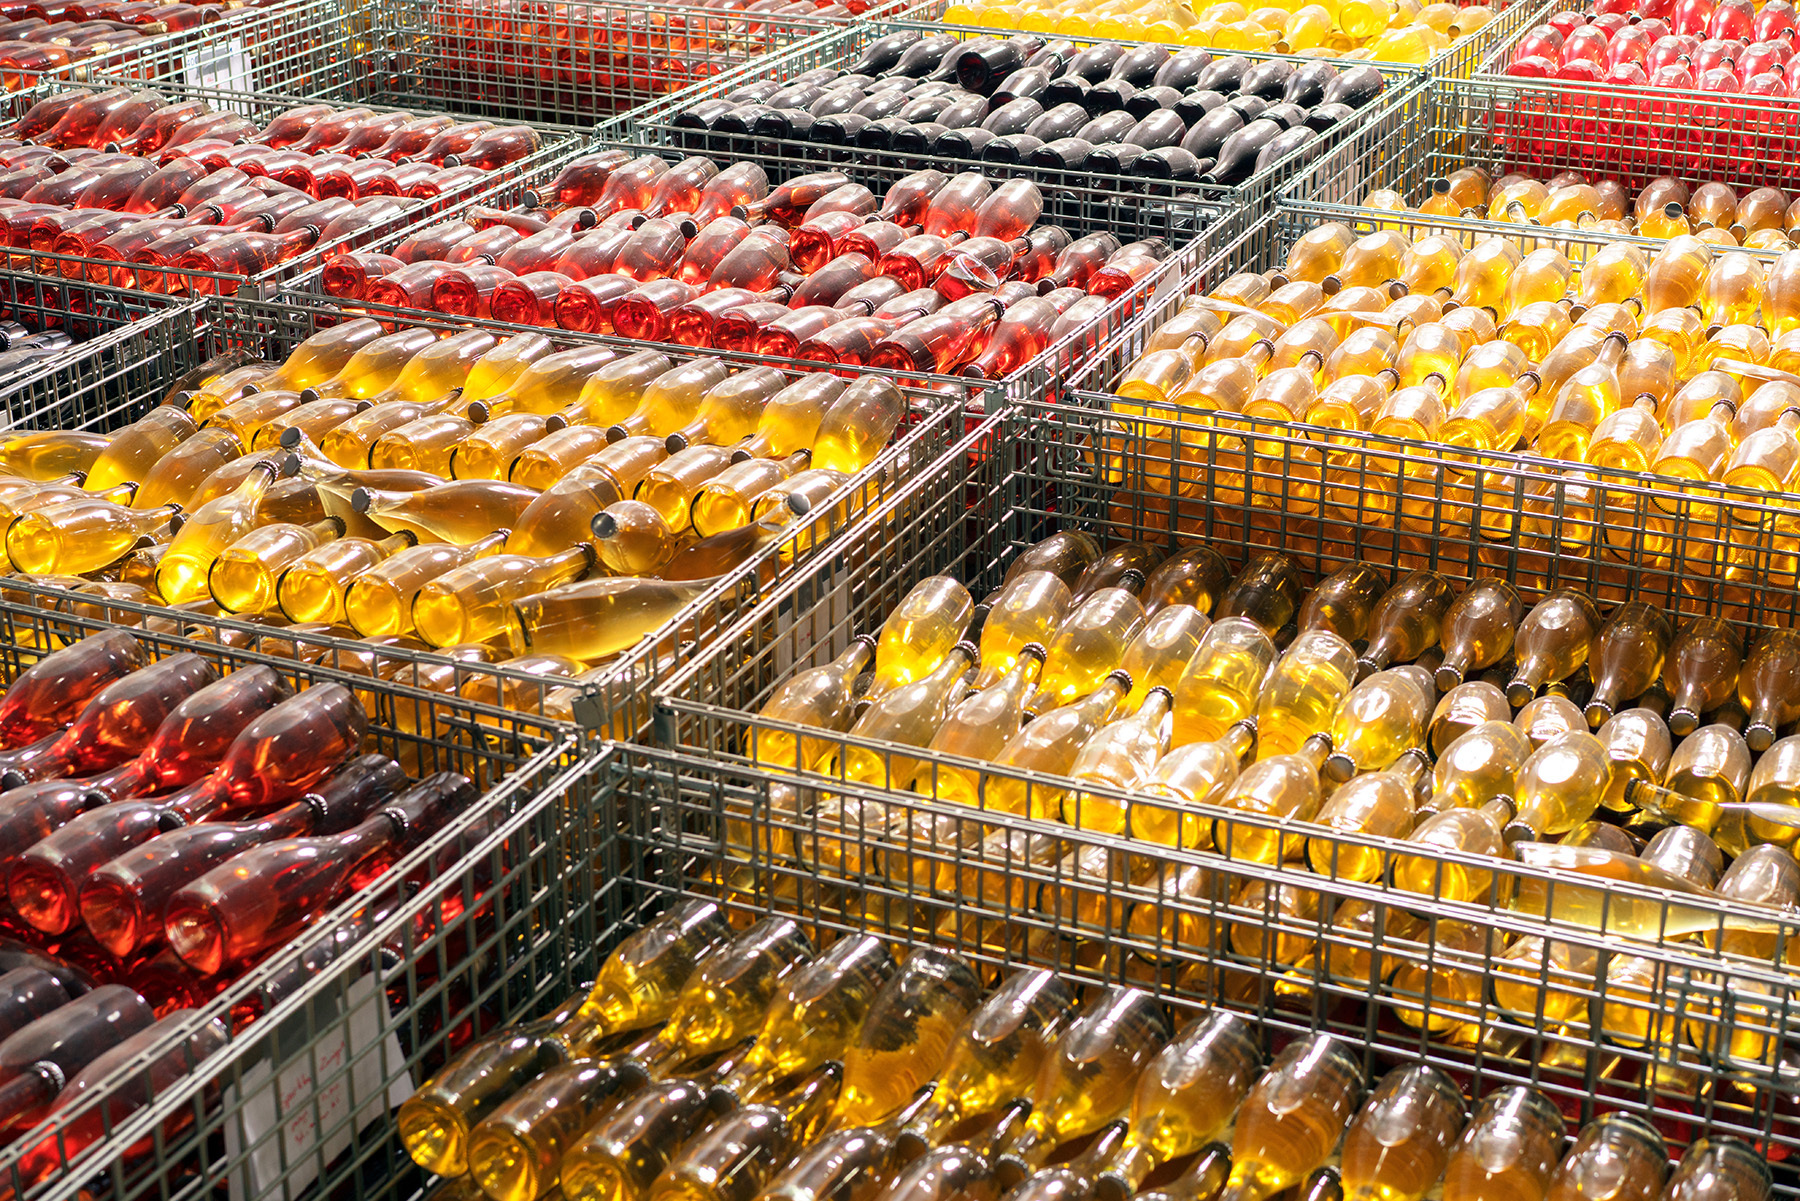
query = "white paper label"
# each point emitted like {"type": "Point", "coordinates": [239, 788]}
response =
{"type": "Point", "coordinates": [827, 602]}
{"type": "Point", "coordinates": [222, 65]}
{"type": "Point", "coordinates": [285, 1163]}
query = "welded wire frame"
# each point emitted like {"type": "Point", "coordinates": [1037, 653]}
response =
{"type": "Point", "coordinates": [499, 914]}
{"type": "Point", "coordinates": [1036, 868]}
{"type": "Point", "coordinates": [125, 343]}
{"type": "Point", "coordinates": [570, 64]}
{"type": "Point", "coordinates": [1083, 201]}
{"type": "Point", "coordinates": [500, 187]}
{"type": "Point", "coordinates": [615, 705]}
{"type": "Point", "coordinates": [1633, 133]}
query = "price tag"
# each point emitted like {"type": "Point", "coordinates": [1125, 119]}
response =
{"type": "Point", "coordinates": [222, 65]}
{"type": "Point", "coordinates": [296, 1121]}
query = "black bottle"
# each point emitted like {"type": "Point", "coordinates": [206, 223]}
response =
{"type": "Point", "coordinates": [962, 143]}
{"type": "Point", "coordinates": [1195, 105]}
{"type": "Point", "coordinates": [1267, 79]}
{"type": "Point", "coordinates": [1291, 116]}
{"type": "Point", "coordinates": [880, 104]}
{"type": "Point", "coordinates": [946, 67]}
{"type": "Point", "coordinates": [704, 115]}
{"type": "Point", "coordinates": [924, 108]}
{"type": "Point", "coordinates": [1150, 99]}
{"type": "Point", "coordinates": [1249, 107]}
{"type": "Point", "coordinates": [1067, 89]}
{"type": "Point", "coordinates": [1160, 128]}
{"type": "Point", "coordinates": [1167, 162]}
{"type": "Point", "coordinates": [1111, 94]}
{"type": "Point", "coordinates": [1025, 82]}
{"type": "Point", "coordinates": [1224, 74]}
{"type": "Point", "coordinates": [755, 93]}
{"type": "Point", "coordinates": [1207, 135]}
{"type": "Point", "coordinates": [1182, 71]}
{"type": "Point", "coordinates": [1012, 148]}
{"type": "Point", "coordinates": [885, 54]}
{"type": "Point", "coordinates": [1139, 65]}
{"type": "Point", "coordinates": [981, 70]}
{"type": "Point", "coordinates": [918, 139]}
{"type": "Point", "coordinates": [1237, 157]}
{"type": "Point", "coordinates": [881, 133]}
{"type": "Point", "coordinates": [838, 100]}
{"type": "Point", "coordinates": [1063, 121]}
{"type": "Point", "coordinates": [1328, 116]}
{"type": "Point", "coordinates": [1355, 87]}
{"type": "Point", "coordinates": [1097, 62]}
{"type": "Point", "coordinates": [966, 111]}
{"type": "Point", "coordinates": [797, 95]}
{"type": "Point", "coordinates": [1284, 144]}
{"type": "Point", "coordinates": [1064, 154]}
{"type": "Point", "coordinates": [1107, 128]}
{"type": "Point", "coordinates": [920, 58]}
{"type": "Point", "coordinates": [1115, 159]}
{"type": "Point", "coordinates": [1307, 85]}
{"type": "Point", "coordinates": [838, 129]}
{"type": "Point", "coordinates": [1012, 117]}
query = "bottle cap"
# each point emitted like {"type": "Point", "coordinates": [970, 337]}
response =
{"type": "Point", "coordinates": [288, 468]}
{"type": "Point", "coordinates": [1338, 767]}
{"type": "Point", "coordinates": [677, 442]}
{"type": "Point", "coordinates": [1035, 649]}
{"type": "Point", "coordinates": [427, 804]}
{"type": "Point", "coordinates": [798, 505]}
{"type": "Point", "coordinates": [12, 778]}
{"type": "Point", "coordinates": [291, 437]}
{"type": "Point", "coordinates": [868, 640]}
{"type": "Point", "coordinates": [360, 500]}
{"type": "Point", "coordinates": [1448, 676]}
{"type": "Point", "coordinates": [1166, 691]}
{"type": "Point", "coordinates": [1123, 677]}
{"type": "Point", "coordinates": [1516, 831]}
{"type": "Point", "coordinates": [616, 433]}
{"type": "Point", "coordinates": [604, 525]}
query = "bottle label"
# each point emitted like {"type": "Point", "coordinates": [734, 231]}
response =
{"type": "Point", "coordinates": [298, 1119]}
{"type": "Point", "coordinates": [224, 65]}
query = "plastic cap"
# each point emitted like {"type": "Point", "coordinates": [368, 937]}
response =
{"type": "Point", "coordinates": [360, 500]}
{"type": "Point", "coordinates": [798, 505]}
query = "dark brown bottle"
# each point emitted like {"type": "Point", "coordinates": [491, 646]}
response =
{"type": "Point", "coordinates": [50, 693]}
{"type": "Point", "coordinates": [37, 1060]}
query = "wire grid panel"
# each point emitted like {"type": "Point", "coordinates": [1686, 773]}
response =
{"type": "Point", "coordinates": [1503, 970]}
{"type": "Point", "coordinates": [126, 345]}
{"type": "Point", "coordinates": [241, 49]}
{"type": "Point", "coordinates": [496, 914]}
{"type": "Point", "coordinates": [1084, 201]}
{"type": "Point", "coordinates": [1636, 133]}
{"type": "Point", "coordinates": [499, 187]}
{"type": "Point", "coordinates": [618, 704]}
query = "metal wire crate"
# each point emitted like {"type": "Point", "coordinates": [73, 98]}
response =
{"type": "Point", "coordinates": [1704, 1047]}
{"type": "Point", "coordinates": [500, 913]}
{"type": "Point", "coordinates": [1085, 201]}
{"type": "Point", "coordinates": [615, 706]}
{"type": "Point", "coordinates": [502, 186]}
{"type": "Point", "coordinates": [566, 64]}
{"type": "Point", "coordinates": [1636, 133]}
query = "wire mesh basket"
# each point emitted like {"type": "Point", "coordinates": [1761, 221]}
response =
{"type": "Point", "coordinates": [501, 186]}
{"type": "Point", "coordinates": [1083, 201]}
{"type": "Point", "coordinates": [565, 64]}
{"type": "Point", "coordinates": [1632, 132]}
{"type": "Point", "coordinates": [1606, 994]}
{"type": "Point", "coordinates": [616, 705]}
{"type": "Point", "coordinates": [499, 913]}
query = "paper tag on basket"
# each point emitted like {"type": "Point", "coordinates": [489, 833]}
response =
{"type": "Point", "coordinates": [816, 613]}
{"type": "Point", "coordinates": [224, 65]}
{"type": "Point", "coordinates": [294, 1125]}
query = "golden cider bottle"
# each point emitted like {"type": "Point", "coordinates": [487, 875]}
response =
{"type": "Point", "coordinates": [1223, 681]}
{"type": "Point", "coordinates": [1509, 1149]}
{"type": "Point", "coordinates": [905, 1036]}
{"type": "Point", "coordinates": [1463, 708]}
{"type": "Point", "coordinates": [1398, 1144]}
{"type": "Point", "coordinates": [919, 632]}
{"type": "Point", "coordinates": [1293, 1118]}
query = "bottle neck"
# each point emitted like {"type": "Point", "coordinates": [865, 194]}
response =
{"type": "Point", "coordinates": [32, 1089]}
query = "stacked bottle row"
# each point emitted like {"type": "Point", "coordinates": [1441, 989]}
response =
{"type": "Point", "coordinates": [1665, 207]}
{"type": "Point", "coordinates": [1729, 46]}
{"type": "Point", "coordinates": [945, 274]}
{"type": "Point", "coordinates": [576, 58]}
{"type": "Point", "coordinates": [165, 828]}
{"type": "Point", "coordinates": [445, 492]}
{"type": "Point", "coordinates": [1108, 108]}
{"type": "Point", "coordinates": [1398, 31]}
{"type": "Point", "coordinates": [47, 42]}
{"type": "Point", "coordinates": [23, 352]}
{"type": "Point", "coordinates": [1106, 670]}
{"type": "Point", "coordinates": [125, 177]}
{"type": "Point", "coordinates": [1677, 363]}
{"type": "Point", "coordinates": [718, 1067]}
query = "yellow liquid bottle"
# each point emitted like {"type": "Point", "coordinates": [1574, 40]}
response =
{"type": "Point", "coordinates": [929, 620]}
{"type": "Point", "coordinates": [1559, 787]}
{"type": "Point", "coordinates": [1732, 294]}
{"type": "Point", "coordinates": [1160, 653]}
{"type": "Point", "coordinates": [47, 454]}
{"type": "Point", "coordinates": [1430, 267]}
{"type": "Point", "coordinates": [1343, 603]}
{"type": "Point", "coordinates": [671, 485]}
{"type": "Point", "coordinates": [459, 512]}
{"type": "Point", "coordinates": [179, 474]}
{"type": "Point", "coordinates": [313, 587]}
{"type": "Point", "coordinates": [1029, 608]}
{"type": "Point", "coordinates": [429, 385]}
{"type": "Point", "coordinates": [424, 444]}
{"type": "Point", "coordinates": [374, 368]}
{"type": "Point", "coordinates": [550, 384]}
{"type": "Point", "coordinates": [1617, 1157]}
{"type": "Point", "coordinates": [1709, 770]}
{"type": "Point", "coordinates": [908, 715]}
{"type": "Point", "coordinates": [133, 451]}
{"type": "Point", "coordinates": [790, 420]}
{"type": "Point", "coordinates": [819, 697]}
{"type": "Point", "coordinates": [1480, 766]}
{"type": "Point", "coordinates": [491, 450]}
{"type": "Point", "coordinates": [1089, 1078]}
{"type": "Point", "coordinates": [74, 537]}
{"type": "Point", "coordinates": [724, 1000]}
{"type": "Point", "coordinates": [310, 421]}
{"type": "Point", "coordinates": [1509, 1149]}
{"type": "Point", "coordinates": [611, 391]}
{"type": "Point", "coordinates": [1677, 274]}
{"type": "Point", "coordinates": [1200, 773]}
{"type": "Point", "coordinates": [673, 399]}
{"type": "Point", "coordinates": [1628, 439]}
{"type": "Point", "coordinates": [620, 1158]}
{"type": "Point", "coordinates": [591, 620]}
{"type": "Point", "coordinates": [1319, 252]}
{"type": "Point", "coordinates": [246, 418]}
{"type": "Point", "coordinates": [906, 1036]}
{"type": "Point", "coordinates": [1223, 682]}
{"type": "Point", "coordinates": [1648, 369]}
{"type": "Point", "coordinates": [1766, 685]}
{"type": "Point", "coordinates": [218, 388]}
{"type": "Point", "coordinates": [563, 514]}
{"type": "Point", "coordinates": [995, 1057]}
{"type": "Point", "coordinates": [1431, 349]}
{"type": "Point", "coordinates": [1090, 643]}
{"type": "Point", "coordinates": [732, 1159]}
{"type": "Point", "coordinates": [1477, 630]}
{"type": "Point", "coordinates": [1627, 657]}
{"type": "Point", "coordinates": [1303, 692]}
{"type": "Point", "coordinates": [725, 502]}
{"type": "Point", "coordinates": [1184, 1099]}
{"type": "Point", "coordinates": [979, 727]}
{"type": "Point", "coordinates": [1047, 746]}
{"type": "Point", "coordinates": [1767, 459]}
{"type": "Point", "coordinates": [1701, 671]}
{"type": "Point", "coordinates": [1542, 277]}
{"type": "Point", "coordinates": [379, 602]}
{"type": "Point", "coordinates": [1293, 1118]}
{"type": "Point", "coordinates": [1195, 576]}
{"type": "Point", "coordinates": [1781, 295]}
{"type": "Point", "coordinates": [1399, 1143]}
{"type": "Point", "coordinates": [1373, 260]}
{"type": "Point", "coordinates": [1639, 745]}
{"type": "Point", "coordinates": [631, 538]}
{"type": "Point", "coordinates": [811, 1021]}
{"type": "Point", "coordinates": [1482, 275]}
{"type": "Point", "coordinates": [515, 1152]}
{"type": "Point", "coordinates": [1120, 756]}
{"type": "Point", "coordinates": [1549, 717]}
{"type": "Point", "coordinates": [1267, 590]}
{"type": "Point", "coordinates": [1460, 710]}
{"type": "Point", "coordinates": [470, 602]}
{"type": "Point", "coordinates": [1441, 990]}
{"type": "Point", "coordinates": [1406, 621]}
{"type": "Point", "coordinates": [733, 409]}
{"type": "Point", "coordinates": [318, 358]}
{"type": "Point", "coordinates": [1383, 717]}
{"type": "Point", "coordinates": [1552, 641]}
{"type": "Point", "coordinates": [181, 575]}
{"type": "Point", "coordinates": [1717, 1168]}
{"type": "Point", "coordinates": [1469, 831]}
{"type": "Point", "coordinates": [1284, 788]}
{"type": "Point", "coordinates": [1379, 803]}
{"type": "Point", "coordinates": [1587, 398]}
{"type": "Point", "coordinates": [858, 425]}
{"type": "Point", "coordinates": [245, 576]}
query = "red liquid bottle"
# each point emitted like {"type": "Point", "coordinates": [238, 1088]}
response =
{"type": "Point", "coordinates": [42, 117]}
{"type": "Point", "coordinates": [468, 291]}
{"type": "Point", "coordinates": [50, 693]}
{"type": "Point", "coordinates": [849, 343]}
{"type": "Point", "coordinates": [327, 131]}
{"type": "Point", "coordinates": [816, 242]}
{"type": "Point", "coordinates": [266, 895]}
{"type": "Point", "coordinates": [788, 203]}
{"type": "Point", "coordinates": [654, 250]}
{"type": "Point", "coordinates": [873, 238]}
{"type": "Point", "coordinates": [348, 179]}
{"type": "Point", "coordinates": [644, 314]}
{"type": "Point", "coordinates": [164, 187]}
{"type": "Point", "coordinates": [866, 298]}
{"type": "Point", "coordinates": [593, 254]}
{"type": "Point", "coordinates": [155, 130]}
{"type": "Point", "coordinates": [433, 242]}
{"type": "Point", "coordinates": [224, 127]}
{"type": "Point", "coordinates": [629, 186]}
{"type": "Point", "coordinates": [678, 190]}
{"type": "Point", "coordinates": [919, 259]}
{"type": "Point", "coordinates": [117, 725]}
{"type": "Point", "coordinates": [708, 248]}
{"type": "Point", "coordinates": [737, 186]}
{"type": "Point", "coordinates": [495, 148]}
{"type": "Point", "coordinates": [828, 284]}
{"type": "Point", "coordinates": [1079, 261]}
{"type": "Point", "coordinates": [782, 338]}
{"type": "Point", "coordinates": [373, 134]}
{"type": "Point", "coordinates": [80, 120]}
{"type": "Point", "coordinates": [444, 183]}
{"type": "Point", "coordinates": [114, 188]}
{"type": "Point", "coordinates": [27, 994]}
{"type": "Point", "coordinates": [538, 252]}
{"type": "Point", "coordinates": [1023, 333]}
{"type": "Point", "coordinates": [411, 138]}
{"type": "Point", "coordinates": [1128, 265]}
{"type": "Point", "coordinates": [39, 1059]}
{"type": "Point", "coordinates": [483, 217]}
{"type": "Point", "coordinates": [693, 322]}
{"type": "Point", "coordinates": [346, 275]}
{"type": "Point", "coordinates": [243, 255]}
{"type": "Point", "coordinates": [582, 181]}
{"type": "Point", "coordinates": [485, 246]}
{"type": "Point", "coordinates": [399, 178]}
{"type": "Point", "coordinates": [528, 299]}
{"type": "Point", "coordinates": [122, 901]}
{"type": "Point", "coordinates": [908, 200]}
{"type": "Point", "coordinates": [583, 305]}
{"type": "Point", "coordinates": [756, 263]}
{"type": "Point", "coordinates": [453, 140]}
{"type": "Point", "coordinates": [942, 342]}
{"type": "Point", "coordinates": [365, 220]}
{"type": "Point", "coordinates": [123, 121]}
{"type": "Point", "coordinates": [408, 288]}
{"type": "Point", "coordinates": [292, 125]}
{"type": "Point", "coordinates": [953, 208]}
{"type": "Point", "coordinates": [978, 265]}
{"type": "Point", "coordinates": [1043, 247]}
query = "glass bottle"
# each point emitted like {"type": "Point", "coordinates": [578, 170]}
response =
{"type": "Point", "coordinates": [1090, 642]}
{"type": "Point", "coordinates": [1473, 831]}
{"type": "Point", "coordinates": [1293, 1118]}
{"type": "Point", "coordinates": [1615, 1156]}
{"type": "Point", "coordinates": [919, 632]}
{"type": "Point", "coordinates": [1120, 755]}
{"type": "Point", "coordinates": [1027, 608]}
{"type": "Point", "coordinates": [1559, 787]}
{"type": "Point", "coordinates": [1267, 590]}
{"type": "Point", "coordinates": [1552, 642]}
{"type": "Point", "coordinates": [1478, 767]}
{"type": "Point", "coordinates": [980, 727]}
{"type": "Point", "coordinates": [820, 697]}
{"type": "Point", "coordinates": [1701, 671]}
{"type": "Point", "coordinates": [1716, 1168]}
{"type": "Point", "coordinates": [1377, 803]}
{"type": "Point", "coordinates": [38, 1060]}
{"type": "Point", "coordinates": [723, 1001]}
{"type": "Point", "coordinates": [1381, 719]}
{"type": "Point", "coordinates": [1406, 621]}
{"type": "Point", "coordinates": [1462, 709]}
{"type": "Point", "coordinates": [1343, 603]}
{"type": "Point", "coordinates": [181, 575]}
{"type": "Point", "coordinates": [379, 602]}
{"type": "Point", "coordinates": [1399, 1143]}
{"type": "Point", "coordinates": [472, 602]}
{"type": "Point", "coordinates": [593, 619]}
{"type": "Point", "coordinates": [1303, 692]}
{"type": "Point", "coordinates": [1769, 686]}
{"type": "Point", "coordinates": [905, 1036]}
{"type": "Point", "coordinates": [909, 715]}
{"type": "Point", "coordinates": [515, 1152]}
{"type": "Point", "coordinates": [1510, 1146]}
{"type": "Point", "coordinates": [313, 587]}
{"type": "Point", "coordinates": [1627, 657]}
{"type": "Point", "coordinates": [1223, 681]}
{"type": "Point", "coordinates": [730, 1160]}
{"type": "Point", "coordinates": [857, 425]}
{"type": "Point", "coordinates": [1282, 787]}
{"type": "Point", "coordinates": [460, 511]}
{"type": "Point", "coordinates": [1047, 746]}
